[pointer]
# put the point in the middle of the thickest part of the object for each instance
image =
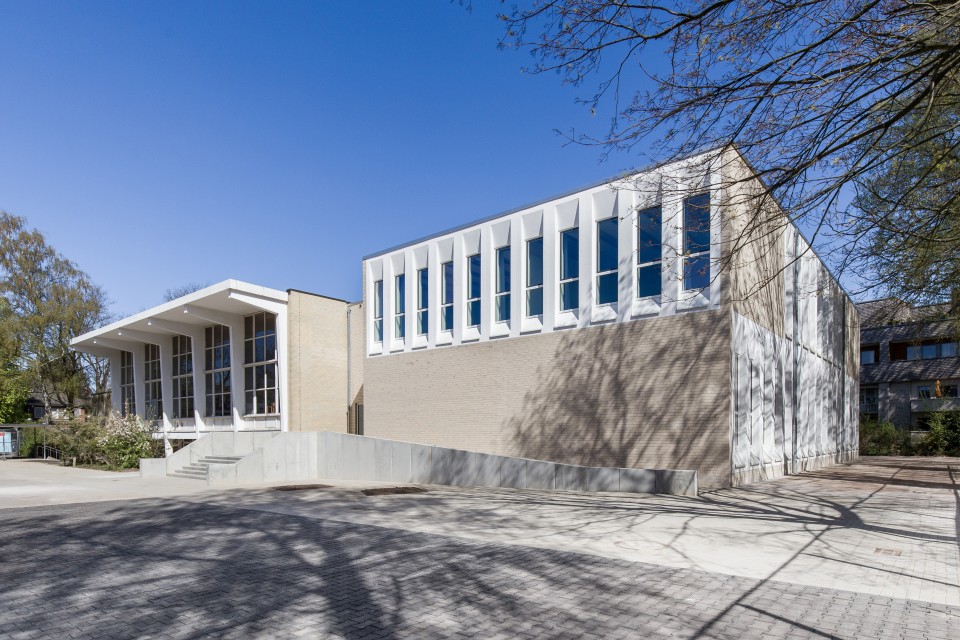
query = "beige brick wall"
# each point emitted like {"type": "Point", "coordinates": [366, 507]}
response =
{"type": "Point", "coordinates": [752, 236]}
{"type": "Point", "coordinates": [317, 363]}
{"type": "Point", "coordinates": [653, 393]}
{"type": "Point", "coordinates": [357, 342]}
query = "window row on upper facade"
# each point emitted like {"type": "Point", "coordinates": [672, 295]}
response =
{"type": "Point", "coordinates": [648, 273]}
{"type": "Point", "coordinates": [924, 350]}
{"type": "Point", "coordinates": [260, 384]}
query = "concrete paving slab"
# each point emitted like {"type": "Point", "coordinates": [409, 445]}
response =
{"type": "Point", "coordinates": [885, 526]}
{"type": "Point", "coordinates": [866, 549]}
{"type": "Point", "coordinates": [29, 483]}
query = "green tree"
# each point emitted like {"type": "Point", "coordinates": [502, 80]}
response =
{"type": "Point", "coordinates": [50, 302]}
{"type": "Point", "coordinates": [821, 96]}
{"type": "Point", "coordinates": [13, 387]}
{"type": "Point", "coordinates": [906, 215]}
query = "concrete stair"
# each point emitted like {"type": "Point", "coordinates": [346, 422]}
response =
{"type": "Point", "coordinates": [200, 469]}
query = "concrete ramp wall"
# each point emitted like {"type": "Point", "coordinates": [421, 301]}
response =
{"type": "Point", "coordinates": [232, 443]}
{"type": "Point", "coordinates": [311, 456]}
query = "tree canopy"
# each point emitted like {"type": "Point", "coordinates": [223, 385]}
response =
{"type": "Point", "coordinates": [847, 109]}
{"type": "Point", "coordinates": [48, 301]}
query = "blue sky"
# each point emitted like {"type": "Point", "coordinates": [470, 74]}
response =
{"type": "Point", "coordinates": [161, 143]}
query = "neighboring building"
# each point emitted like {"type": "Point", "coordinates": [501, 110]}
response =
{"type": "Point", "coordinates": [234, 357]}
{"type": "Point", "coordinates": [909, 363]}
{"type": "Point", "coordinates": [60, 408]}
{"type": "Point", "coordinates": [598, 328]}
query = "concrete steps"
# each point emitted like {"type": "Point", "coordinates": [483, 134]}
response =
{"type": "Point", "coordinates": [200, 470]}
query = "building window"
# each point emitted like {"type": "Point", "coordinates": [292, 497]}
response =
{"type": "Point", "coordinates": [927, 350]}
{"type": "Point", "coordinates": [446, 301]}
{"type": "Point", "coordinates": [260, 363]}
{"type": "Point", "coordinates": [378, 311]}
{"type": "Point", "coordinates": [649, 252]}
{"type": "Point", "coordinates": [400, 306]}
{"type": "Point", "coordinates": [152, 391]}
{"type": "Point", "coordinates": [950, 391]}
{"type": "Point", "coordinates": [182, 377]}
{"type": "Point", "coordinates": [216, 356]}
{"type": "Point", "coordinates": [423, 301]}
{"type": "Point", "coordinates": [607, 259]}
{"type": "Point", "coordinates": [696, 242]}
{"type": "Point", "coordinates": [870, 354]}
{"type": "Point", "coordinates": [503, 284]}
{"type": "Point", "coordinates": [128, 402]}
{"type": "Point", "coordinates": [534, 277]}
{"type": "Point", "coordinates": [924, 391]}
{"type": "Point", "coordinates": [868, 400]}
{"type": "Point", "coordinates": [473, 290]}
{"type": "Point", "coordinates": [569, 269]}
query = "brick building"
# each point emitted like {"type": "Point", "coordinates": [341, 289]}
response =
{"type": "Point", "coordinates": [909, 363]}
{"type": "Point", "coordinates": [598, 328]}
{"type": "Point", "coordinates": [235, 357]}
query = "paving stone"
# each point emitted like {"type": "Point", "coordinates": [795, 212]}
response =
{"type": "Point", "coordinates": [175, 569]}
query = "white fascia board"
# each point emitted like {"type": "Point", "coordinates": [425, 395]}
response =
{"type": "Point", "coordinates": [195, 298]}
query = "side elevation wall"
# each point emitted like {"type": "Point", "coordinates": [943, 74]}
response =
{"type": "Point", "coordinates": [317, 363]}
{"type": "Point", "coordinates": [651, 393]}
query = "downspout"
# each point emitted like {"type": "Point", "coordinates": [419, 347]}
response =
{"type": "Point", "coordinates": [843, 384]}
{"type": "Point", "coordinates": [796, 342]}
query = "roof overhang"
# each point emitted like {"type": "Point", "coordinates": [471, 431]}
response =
{"type": "Point", "coordinates": [210, 305]}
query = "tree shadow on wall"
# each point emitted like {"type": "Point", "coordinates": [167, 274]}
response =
{"type": "Point", "coordinates": [653, 393]}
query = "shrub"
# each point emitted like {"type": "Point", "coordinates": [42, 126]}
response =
{"type": "Point", "coordinates": [943, 439]}
{"type": "Point", "coordinates": [883, 439]}
{"type": "Point", "coordinates": [114, 441]}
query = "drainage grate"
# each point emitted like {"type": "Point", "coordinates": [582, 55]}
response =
{"type": "Point", "coordinates": [389, 491]}
{"type": "Point", "coordinates": [887, 552]}
{"type": "Point", "coordinates": [301, 487]}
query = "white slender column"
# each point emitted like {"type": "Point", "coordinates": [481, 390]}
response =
{"type": "Point", "coordinates": [166, 382]}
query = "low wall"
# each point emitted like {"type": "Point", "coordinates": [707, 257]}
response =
{"type": "Point", "coordinates": [231, 443]}
{"type": "Point", "coordinates": [153, 467]}
{"type": "Point", "coordinates": [299, 457]}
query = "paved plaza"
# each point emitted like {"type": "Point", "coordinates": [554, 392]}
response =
{"type": "Point", "coordinates": [862, 550]}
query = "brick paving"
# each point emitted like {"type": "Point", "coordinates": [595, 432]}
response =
{"type": "Point", "coordinates": [167, 568]}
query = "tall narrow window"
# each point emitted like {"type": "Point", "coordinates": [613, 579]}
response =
{"type": "Point", "coordinates": [152, 392]}
{"type": "Point", "coordinates": [216, 356]}
{"type": "Point", "coordinates": [260, 363]}
{"type": "Point", "coordinates": [128, 402]}
{"type": "Point", "coordinates": [423, 304]}
{"type": "Point", "coordinates": [400, 306]}
{"type": "Point", "coordinates": [649, 252]}
{"type": "Point", "coordinates": [696, 242]}
{"type": "Point", "coordinates": [503, 284]}
{"type": "Point", "coordinates": [378, 311]}
{"type": "Point", "coordinates": [607, 259]}
{"type": "Point", "coordinates": [534, 277]}
{"type": "Point", "coordinates": [569, 269]}
{"type": "Point", "coordinates": [473, 290]}
{"type": "Point", "coordinates": [182, 377]}
{"type": "Point", "coordinates": [446, 302]}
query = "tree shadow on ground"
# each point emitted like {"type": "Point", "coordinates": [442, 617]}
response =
{"type": "Point", "coordinates": [651, 394]}
{"type": "Point", "coordinates": [178, 569]}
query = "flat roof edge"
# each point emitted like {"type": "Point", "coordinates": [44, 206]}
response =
{"type": "Point", "coordinates": [200, 294]}
{"type": "Point", "coordinates": [610, 180]}
{"type": "Point", "coordinates": [317, 295]}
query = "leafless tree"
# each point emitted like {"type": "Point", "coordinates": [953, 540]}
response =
{"type": "Point", "coordinates": [823, 97]}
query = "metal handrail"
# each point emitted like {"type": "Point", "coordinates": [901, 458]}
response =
{"type": "Point", "coordinates": [51, 452]}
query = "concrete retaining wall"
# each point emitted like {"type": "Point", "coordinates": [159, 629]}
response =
{"type": "Point", "coordinates": [230, 443]}
{"type": "Point", "coordinates": [301, 457]}
{"type": "Point", "coordinates": [153, 467]}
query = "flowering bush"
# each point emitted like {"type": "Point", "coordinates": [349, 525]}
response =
{"type": "Point", "coordinates": [115, 441]}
